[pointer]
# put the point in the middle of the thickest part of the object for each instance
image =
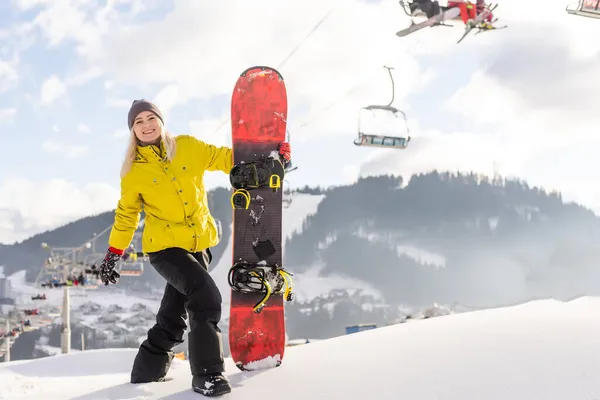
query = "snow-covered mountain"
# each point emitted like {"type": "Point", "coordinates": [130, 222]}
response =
{"type": "Point", "coordinates": [541, 350]}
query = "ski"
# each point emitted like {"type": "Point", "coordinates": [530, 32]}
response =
{"type": "Point", "coordinates": [433, 21]}
{"type": "Point", "coordinates": [479, 19]}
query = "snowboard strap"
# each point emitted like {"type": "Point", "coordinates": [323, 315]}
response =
{"type": "Point", "coordinates": [240, 199]}
{"type": "Point", "coordinates": [261, 278]}
{"type": "Point", "coordinates": [265, 172]}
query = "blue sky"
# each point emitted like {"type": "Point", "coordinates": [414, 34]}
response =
{"type": "Point", "coordinates": [69, 69]}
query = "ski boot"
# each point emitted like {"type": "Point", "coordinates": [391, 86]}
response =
{"type": "Point", "coordinates": [470, 24]}
{"type": "Point", "coordinates": [486, 26]}
{"type": "Point", "coordinates": [211, 385]}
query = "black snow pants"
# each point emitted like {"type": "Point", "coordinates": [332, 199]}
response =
{"type": "Point", "coordinates": [429, 7]}
{"type": "Point", "coordinates": [189, 288]}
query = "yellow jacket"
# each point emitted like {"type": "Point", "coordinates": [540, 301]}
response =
{"type": "Point", "coordinates": [172, 195]}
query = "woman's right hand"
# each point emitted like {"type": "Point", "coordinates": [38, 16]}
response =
{"type": "Point", "coordinates": [107, 268]}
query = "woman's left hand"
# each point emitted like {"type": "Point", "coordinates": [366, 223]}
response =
{"type": "Point", "coordinates": [285, 151]}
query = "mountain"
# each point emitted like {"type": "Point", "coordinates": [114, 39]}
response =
{"type": "Point", "coordinates": [516, 353]}
{"type": "Point", "coordinates": [463, 240]}
{"type": "Point", "coordinates": [381, 248]}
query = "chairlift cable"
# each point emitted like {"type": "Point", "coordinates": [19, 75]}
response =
{"type": "Point", "coordinates": [313, 30]}
{"type": "Point", "coordinates": [286, 59]}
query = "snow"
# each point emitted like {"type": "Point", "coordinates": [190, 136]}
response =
{"type": "Point", "coordinates": [541, 350]}
{"type": "Point", "coordinates": [328, 241]}
{"type": "Point", "coordinates": [420, 255]}
{"type": "Point", "coordinates": [301, 207]}
{"type": "Point", "coordinates": [266, 363]}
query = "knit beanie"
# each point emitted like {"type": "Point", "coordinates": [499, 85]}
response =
{"type": "Point", "coordinates": [139, 106]}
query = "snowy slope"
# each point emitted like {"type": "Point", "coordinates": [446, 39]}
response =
{"type": "Point", "coordinates": [543, 350]}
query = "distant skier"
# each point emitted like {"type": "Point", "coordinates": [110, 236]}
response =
{"type": "Point", "coordinates": [470, 11]}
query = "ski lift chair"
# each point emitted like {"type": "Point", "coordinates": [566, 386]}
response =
{"type": "Point", "coordinates": [373, 140]}
{"type": "Point", "coordinates": [131, 268]}
{"type": "Point", "coordinates": [376, 140]}
{"type": "Point", "coordinates": [585, 8]}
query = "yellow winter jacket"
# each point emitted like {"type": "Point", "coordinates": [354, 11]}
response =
{"type": "Point", "coordinates": [172, 195]}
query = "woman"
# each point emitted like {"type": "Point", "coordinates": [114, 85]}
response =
{"type": "Point", "coordinates": [164, 175]}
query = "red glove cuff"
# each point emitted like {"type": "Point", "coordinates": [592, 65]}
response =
{"type": "Point", "coordinates": [285, 150]}
{"type": "Point", "coordinates": [116, 251]}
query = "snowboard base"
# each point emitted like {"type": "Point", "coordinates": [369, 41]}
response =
{"type": "Point", "coordinates": [259, 344]}
{"type": "Point", "coordinates": [256, 315]}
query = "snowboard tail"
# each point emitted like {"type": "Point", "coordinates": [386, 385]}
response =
{"type": "Point", "coordinates": [259, 284]}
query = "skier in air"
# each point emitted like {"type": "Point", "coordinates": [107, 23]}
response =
{"type": "Point", "coordinates": [163, 174]}
{"type": "Point", "coordinates": [470, 11]}
{"type": "Point", "coordinates": [431, 8]}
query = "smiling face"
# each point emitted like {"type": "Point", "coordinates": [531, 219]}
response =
{"type": "Point", "coordinates": [147, 127]}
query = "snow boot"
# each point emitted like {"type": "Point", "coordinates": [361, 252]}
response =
{"type": "Point", "coordinates": [211, 384]}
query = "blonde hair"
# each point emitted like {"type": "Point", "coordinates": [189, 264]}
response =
{"type": "Point", "coordinates": [130, 154]}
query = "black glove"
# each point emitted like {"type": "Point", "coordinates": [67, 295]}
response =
{"type": "Point", "coordinates": [107, 268]}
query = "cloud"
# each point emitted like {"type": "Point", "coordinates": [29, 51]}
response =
{"type": "Point", "coordinates": [55, 203]}
{"type": "Point", "coordinates": [52, 89]}
{"type": "Point", "coordinates": [9, 76]}
{"type": "Point", "coordinates": [120, 133]}
{"type": "Point", "coordinates": [83, 129]}
{"type": "Point", "coordinates": [68, 150]}
{"type": "Point", "coordinates": [205, 130]}
{"type": "Point", "coordinates": [168, 97]}
{"type": "Point", "coordinates": [7, 114]}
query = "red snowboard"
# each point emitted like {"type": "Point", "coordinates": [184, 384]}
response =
{"type": "Point", "coordinates": [258, 118]}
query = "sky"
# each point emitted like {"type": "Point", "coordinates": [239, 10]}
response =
{"type": "Point", "coordinates": [519, 101]}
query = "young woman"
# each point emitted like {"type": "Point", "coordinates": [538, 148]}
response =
{"type": "Point", "coordinates": [164, 175]}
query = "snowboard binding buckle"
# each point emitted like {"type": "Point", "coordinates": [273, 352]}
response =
{"type": "Point", "coordinates": [275, 182]}
{"type": "Point", "coordinates": [261, 278]}
{"type": "Point", "coordinates": [240, 199]}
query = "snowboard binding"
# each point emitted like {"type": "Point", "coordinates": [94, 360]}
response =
{"type": "Point", "coordinates": [261, 278]}
{"type": "Point", "coordinates": [266, 172]}
{"type": "Point", "coordinates": [240, 199]}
